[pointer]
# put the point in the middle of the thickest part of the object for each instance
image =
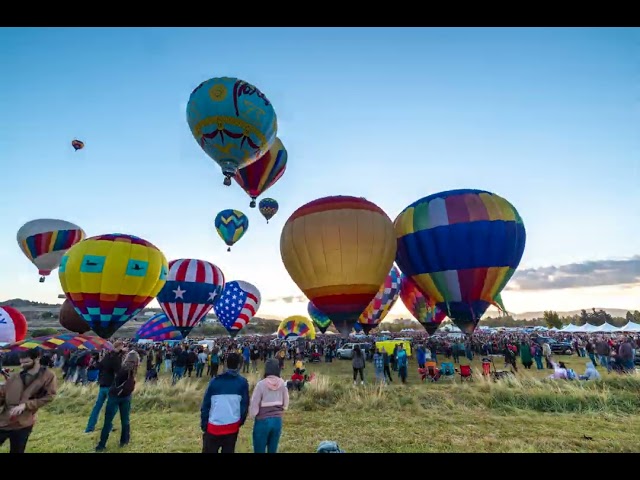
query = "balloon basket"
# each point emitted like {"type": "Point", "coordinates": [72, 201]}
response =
{"type": "Point", "coordinates": [253, 203]}
{"type": "Point", "coordinates": [227, 181]}
{"type": "Point", "coordinates": [228, 249]}
{"type": "Point", "coordinates": [41, 280]}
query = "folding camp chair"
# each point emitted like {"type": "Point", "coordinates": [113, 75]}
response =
{"type": "Point", "coordinates": [465, 373]}
{"type": "Point", "coordinates": [447, 371]}
{"type": "Point", "coordinates": [429, 372]}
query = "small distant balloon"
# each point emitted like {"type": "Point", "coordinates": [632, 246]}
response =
{"type": "Point", "coordinates": [77, 144]}
{"type": "Point", "coordinates": [268, 208]}
{"type": "Point", "coordinates": [256, 178]}
{"type": "Point", "coordinates": [231, 225]}
{"type": "Point", "coordinates": [45, 241]}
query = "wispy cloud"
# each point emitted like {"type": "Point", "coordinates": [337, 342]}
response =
{"type": "Point", "coordinates": [289, 299]}
{"type": "Point", "coordinates": [593, 273]}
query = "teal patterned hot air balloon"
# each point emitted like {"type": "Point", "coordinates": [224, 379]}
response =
{"type": "Point", "coordinates": [231, 226]}
{"type": "Point", "coordinates": [232, 121]}
{"type": "Point", "coordinates": [268, 208]}
{"type": "Point", "coordinates": [319, 319]}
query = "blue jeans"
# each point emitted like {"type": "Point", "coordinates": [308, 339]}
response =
{"type": "Point", "coordinates": [604, 361]}
{"type": "Point", "coordinates": [178, 373]}
{"type": "Point", "coordinates": [266, 435]}
{"type": "Point", "coordinates": [380, 374]}
{"type": "Point", "coordinates": [103, 393]}
{"type": "Point", "coordinates": [115, 404]}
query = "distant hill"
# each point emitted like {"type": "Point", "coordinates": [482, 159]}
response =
{"type": "Point", "coordinates": [21, 303]}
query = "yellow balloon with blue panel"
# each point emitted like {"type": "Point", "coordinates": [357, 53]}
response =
{"type": "Point", "coordinates": [110, 278]}
{"type": "Point", "coordinates": [232, 121]}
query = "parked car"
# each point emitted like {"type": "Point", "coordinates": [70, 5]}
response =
{"type": "Point", "coordinates": [346, 351]}
{"type": "Point", "coordinates": [557, 347]}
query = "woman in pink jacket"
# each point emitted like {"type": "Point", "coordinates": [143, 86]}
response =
{"type": "Point", "coordinates": [269, 401]}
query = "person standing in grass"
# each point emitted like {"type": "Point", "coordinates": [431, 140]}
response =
{"type": "Point", "coordinates": [386, 360]}
{"type": "Point", "coordinates": [21, 397]}
{"type": "Point", "coordinates": [401, 362]}
{"type": "Point", "coordinates": [224, 409]}
{"type": "Point", "coordinates": [119, 400]}
{"type": "Point", "coordinates": [525, 354]}
{"type": "Point", "coordinates": [358, 364]}
{"type": "Point", "coordinates": [214, 361]}
{"type": "Point", "coordinates": [378, 365]}
{"type": "Point", "coordinates": [109, 366]}
{"type": "Point", "coordinates": [202, 360]}
{"type": "Point", "coordinates": [269, 401]}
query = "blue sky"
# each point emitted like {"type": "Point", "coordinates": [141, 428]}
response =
{"type": "Point", "coordinates": [547, 118]}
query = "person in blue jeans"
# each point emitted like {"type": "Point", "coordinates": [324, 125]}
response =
{"type": "Point", "coordinates": [109, 366]}
{"type": "Point", "coordinates": [269, 401]}
{"type": "Point", "coordinates": [119, 400]}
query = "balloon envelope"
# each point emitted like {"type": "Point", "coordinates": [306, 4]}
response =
{"type": "Point", "coordinates": [383, 301]}
{"type": "Point", "coordinates": [13, 325]}
{"type": "Point", "coordinates": [460, 247]}
{"type": "Point", "coordinates": [339, 250]}
{"type": "Point", "coordinates": [158, 328]}
{"type": "Point", "coordinates": [268, 208]}
{"type": "Point", "coordinates": [192, 288]}
{"type": "Point", "coordinates": [45, 241]}
{"type": "Point", "coordinates": [238, 304]}
{"type": "Point", "coordinates": [71, 319]}
{"type": "Point", "coordinates": [231, 225]}
{"type": "Point", "coordinates": [320, 320]}
{"type": "Point", "coordinates": [63, 341]}
{"type": "Point", "coordinates": [255, 179]}
{"type": "Point", "coordinates": [232, 121]}
{"type": "Point", "coordinates": [296, 326]}
{"type": "Point", "coordinates": [110, 278]}
{"type": "Point", "coordinates": [420, 305]}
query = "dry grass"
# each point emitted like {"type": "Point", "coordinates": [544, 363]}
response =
{"type": "Point", "coordinates": [526, 414]}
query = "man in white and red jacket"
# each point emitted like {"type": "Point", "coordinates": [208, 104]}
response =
{"type": "Point", "coordinates": [224, 409]}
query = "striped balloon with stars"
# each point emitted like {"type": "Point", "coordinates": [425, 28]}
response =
{"type": "Point", "coordinates": [193, 287]}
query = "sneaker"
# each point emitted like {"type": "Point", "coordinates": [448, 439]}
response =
{"type": "Point", "coordinates": [100, 448]}
{"type": "Point", "coordinates": [122, 445]}
{"type": "Point", "coordinates": [361, 382]}
{"type": "Point", "coordinates": [355, 383]}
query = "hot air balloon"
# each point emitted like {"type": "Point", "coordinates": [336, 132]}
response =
{"type": "Point", "coordinates": [460, 247]}
{"type": "Point", "coordinates": [232, 121]}
{"type": "Point", "coordinates": [296, 326]}
{"type": "Point", "coordinates": [77, 145]}
{"type": "Point", "coordinates": [13, 325]}
{"type": "Point", "coordinates": [320, 320]}
{"type": "Point", "coordinates": [45, 241]}
{"type": "Point", "coordinates": [357, 327]}
{"type": "Point", "coordinates": [72, 320]}
{"type": "Point", "coordinates": [238, 304]}
{"type": "Point", "coordinates": [420, 305]}
{"type": "Point", "coordinates": [383, 302]}
{"type": "Point", "coordinates": [62, 341]}
{"type": "Point", "coordinates": [256, 178]}
{"type": "Point", "coordinates": [158, 328]}
{"type": "Point", "coordinates": [231, 226]}
{"type": "Point", "coordinates": [268, 208]}
{"type": "Point", "coordinates": [192, 288]}
{"type": "Point", "coordinates": [339, 250]}
{"type": "Point", "coordinates": [111, 278]}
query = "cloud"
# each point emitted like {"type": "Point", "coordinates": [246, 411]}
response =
{"type": "Point", "coordinates": [289, 299]}
{"type": "Point", "coordinates": [593, 273]}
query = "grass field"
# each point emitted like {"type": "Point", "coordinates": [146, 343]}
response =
{"type": "Point", "coordinates": [529, 414]}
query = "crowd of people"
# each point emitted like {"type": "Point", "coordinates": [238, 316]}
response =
{"type": "Point", "coordinates": [227, 402]}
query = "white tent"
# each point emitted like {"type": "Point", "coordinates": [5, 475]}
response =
{"type": "Point", "coordinates": [571, 328]}
{"type": "Point", "coordinates": [586, 328]}
{"type": "Point", "coordinates": [606, 328]}
{"type": "Point", "coordinates": [630, 327]}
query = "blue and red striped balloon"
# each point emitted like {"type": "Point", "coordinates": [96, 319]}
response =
{"type": "Point", "coordinates": [192, 288]}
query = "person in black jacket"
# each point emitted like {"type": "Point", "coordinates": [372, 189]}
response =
{"type": "Point", "coordinates": [109, 366]}
{"type": "Point", "coordinates": [119, 400]}
{"type": "Point", "coordinates": [180, 360]}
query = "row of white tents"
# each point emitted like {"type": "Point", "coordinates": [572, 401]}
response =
{"type": "Point", "coordinates": [604, 328]}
